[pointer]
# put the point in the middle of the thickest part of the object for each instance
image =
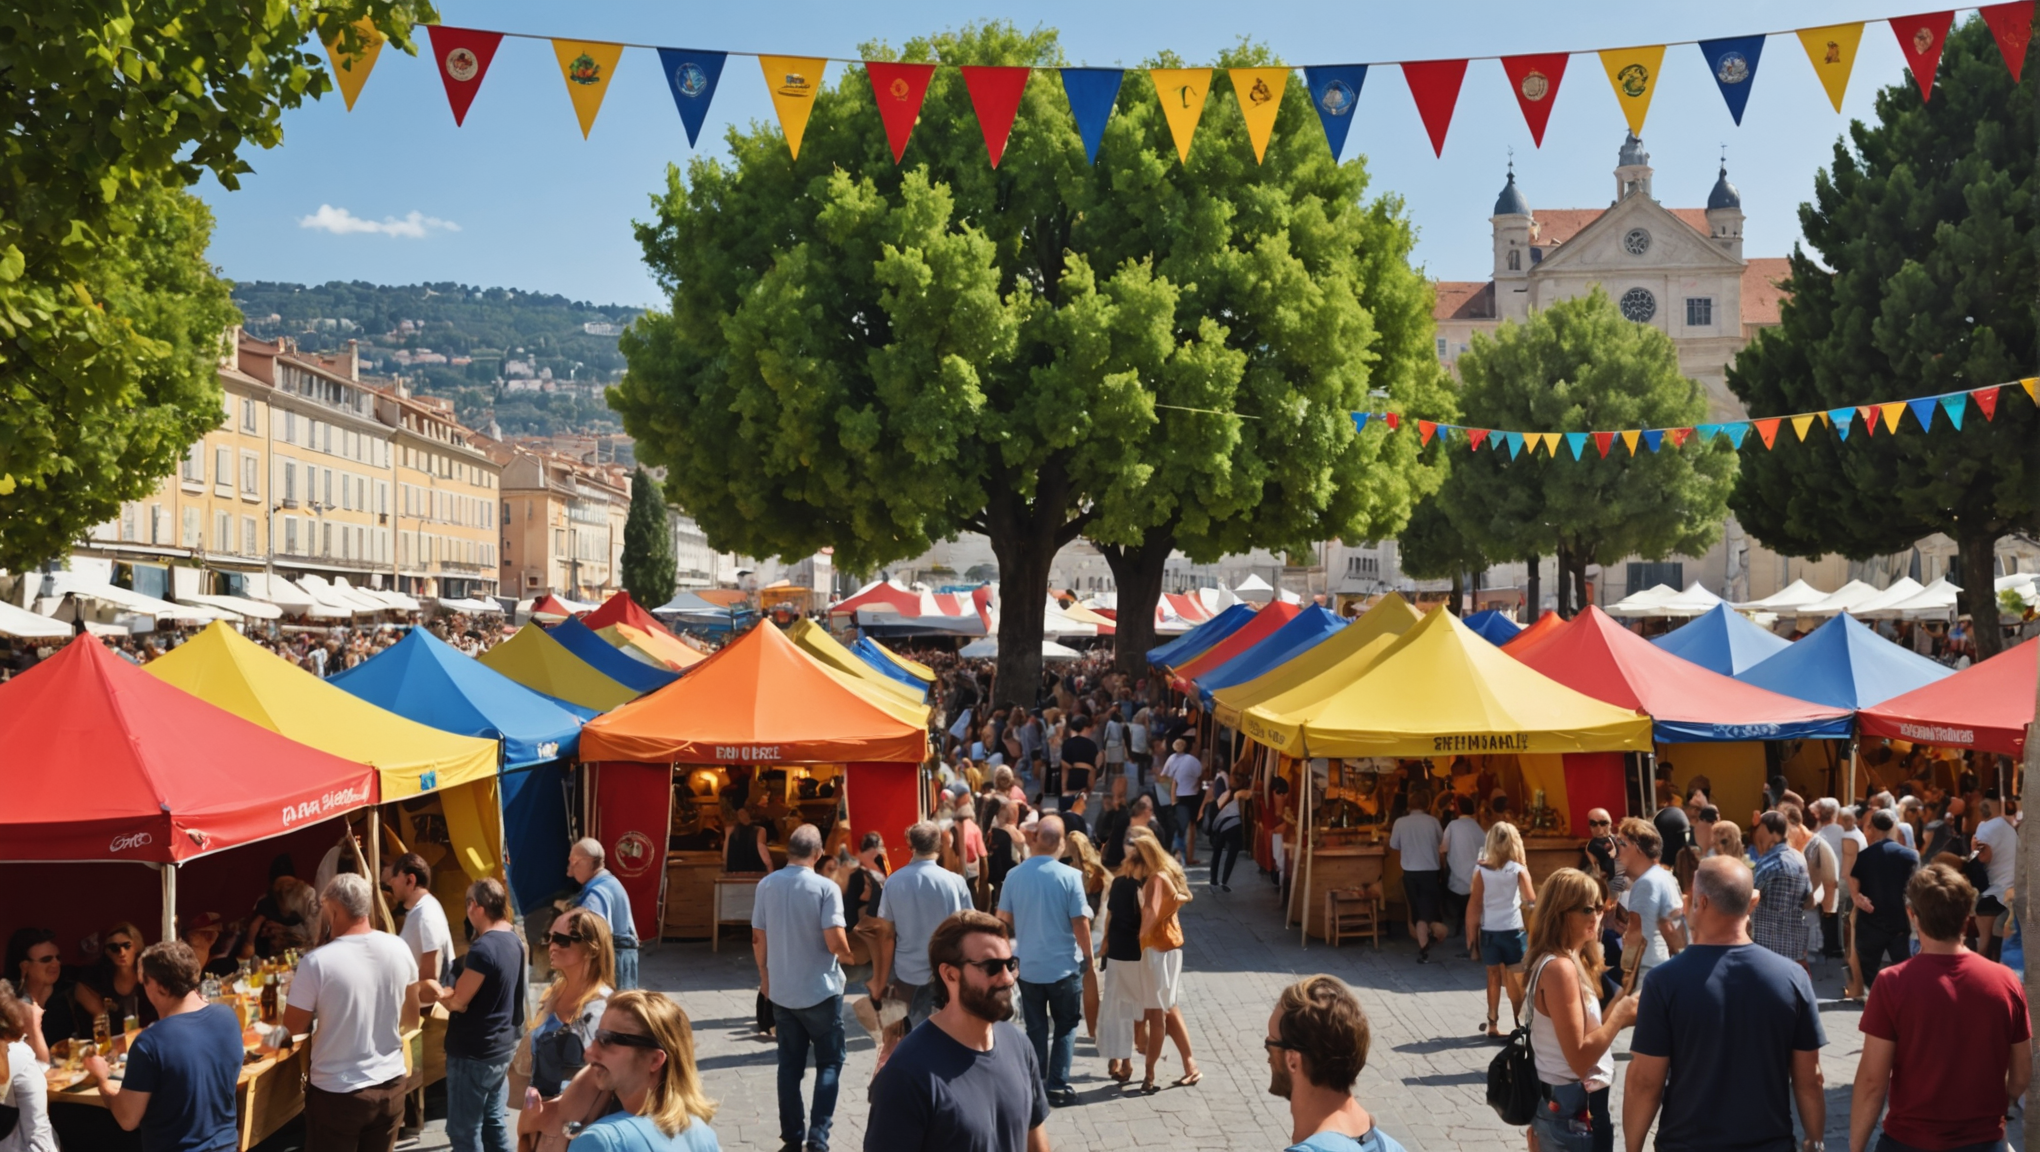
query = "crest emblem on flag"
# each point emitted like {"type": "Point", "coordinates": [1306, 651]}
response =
{"type": "Point", "coordinates": [1923, 41]}
{"type": "Point", "coordinates": [1259, 93]}
{"type": "Point", "coordinates": [795, 84]}
{"type": "Point", "coordinates": [900, 89]}
{"type": "Point", "coordinates": [1536, 86]}
{"type": "Point", "coordinates": [1336, 99]}
{"type": "Point", "coordinates": [689, 80]}
{"type": "Point", "coordinates": [584, 70]}
{"type": "Point", "coordinates": [462, 65]}
{"type": "Point", "coordinates": [1734, 68]}
{"type": "Point", "coordinates": [1634, 79]}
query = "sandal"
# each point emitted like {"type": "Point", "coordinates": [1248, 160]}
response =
{"type": "Point", "coordinates": [1147, 1087]}
{"type": "Point", "coordinates": [1190, 1078]}
{"type": "Point", "coordinates": [1489, 1028]}
{"type": "Point", "coordinates": [1120, 1071]}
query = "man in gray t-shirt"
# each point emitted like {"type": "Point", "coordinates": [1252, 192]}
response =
{"type": "Point", "coordinates": [798, 939]}
{"type": "Point", "coordinates": [916, 899]}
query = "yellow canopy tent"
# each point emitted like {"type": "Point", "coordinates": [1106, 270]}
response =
{"type": "Point", "coordinates": [659, 650]}
{"type": "Point", "coordinates": [1442, 690]}
{"type": "Point", "coordinates": [889, 702]}
{"type": "Point", "coordinates": [1340, 658]}
{"type": "Point", "coordinates": [225, 668]}
{"type": "Point", "coordinates": [914, 668]}
{"type": "Point", "coordinates": [543, 664]}
{"type": "Point", "coordinates": [815, 640]}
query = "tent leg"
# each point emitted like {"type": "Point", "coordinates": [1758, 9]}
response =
{"type": "Point", "coordinates": [169, 902]}
{"type": "Point", "coordinates": [382, 908]}
{"type": "Point", "coordinates": [1849, 788]}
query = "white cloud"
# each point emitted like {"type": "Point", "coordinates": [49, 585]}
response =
{"type": "Point", "coordinates": [341, 222]}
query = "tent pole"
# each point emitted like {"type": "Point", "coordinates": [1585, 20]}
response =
{"type": "Point", "coordinates": [374, 863]}
{"type": "Point", "coordinates": [169, 901]}
{"type": "Point", "coordinates": [1310, 846]}
{"type": "Point", "coordinates": [1849, 788]}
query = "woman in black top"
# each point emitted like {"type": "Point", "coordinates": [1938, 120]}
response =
{"type": "Point", "coordinates": [746, 853]}
{"type": "Point", "coordinates": [1123, 995]}
{"type": "Point", "coordinates": [1002, 844]}
{"type": "Point", "coordinates": [114, 985]}
{"type": "Point", "coordinates": [860, 895]}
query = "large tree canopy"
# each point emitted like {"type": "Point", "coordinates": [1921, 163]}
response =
{"type": "Point", "coordinates": [1575, 367]}
{"type": "Point", "coordinates": [876, 357]}
{"type": "Point", "coordinates": [1926, 224]}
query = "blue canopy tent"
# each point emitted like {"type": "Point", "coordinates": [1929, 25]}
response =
{"type": "Point", "coordinates": [1304, 631]}
{"type": "Point", "coordinates": [1493, 627]}
{"type": "Point", "coordinates": [869, 653]}
{"type": "Point", "coordinates": [422, 678]}
{"type": "Point", "coordinates": [1845, 665]}
{"type": "Point", "coordinates": [1202, 637]}
{"type": "Point", "coordinates": [1723, 640]}
{"type": "Point", "coordinates": [609, 660]}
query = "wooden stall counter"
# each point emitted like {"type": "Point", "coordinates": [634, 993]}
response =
{"type": "Point", "coordinates": [1331, 867]}
{"type": "Point", "coordinates": [690, 894]}
{"type": "Point", "coordinates": [269, 1094]}
{"type": "Point", "coordinates": [1547, 854]}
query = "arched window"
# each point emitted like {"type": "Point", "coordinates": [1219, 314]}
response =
{"type": "Point", "coordinates": [1515, 260]}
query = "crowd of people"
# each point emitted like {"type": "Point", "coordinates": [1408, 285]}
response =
{"type": "Point", "coordinates": [322, 650]}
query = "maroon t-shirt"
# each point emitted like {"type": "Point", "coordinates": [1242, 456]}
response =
{"type": "Point", "coordinates": [1954, 1020]}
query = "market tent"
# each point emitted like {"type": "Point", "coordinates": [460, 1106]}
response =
{"type": "Point", "coordinates": [1694, 601]}
{"type": "Point", "coordinates": [1640, 603]}
{"type": "Point", "coordinates": [1535, 633]}
{"type": "Point", "coordinates": [1786, 600]}
{"type": "Point", "coordinates": [988, 649]}
{"type": "Point", "coordinates": [110, 763]}
{"type": "Point", "coordinates": [1254, 588]}
{"type": "Point", "coordinates": [1900, 591]}
{"type": "Point", "coordinates": [1687, 703]}
{"type": "Point", "coordinates": [1338, 659]}
{"type": "Point", "coordinates": [282, 593]}
{"type": "Point", "coordinates": [621, 609]}
{"type": "Point", "coordinates": [1722, 640]}
{"type": "Point", "coordinates": [690, 603]}
{"type": "Point", "coordinates": [880, 594]}
{"type": "Point", "coordinates": [815, 640]}
{"type": "Point", "coordinates": [1442, 690]}
{"type": "Point", "coordinates": [602, 656]}
{"type": "Point", "coordinates": [1844, 664]}
{"type": "Point", "coordinates": [552, 608]}
{"type": "Point", "coordinates": [914, 668]}
{"type": "Point", "coordinates": [1306, 630]}
{"type": "Point", "coordinates": [1265, 623]}
{"type": "Point", "coordinates": [885, 664]}
{"type": "Point", "coordinates": [537, 661]}
{"type": "Point", "coordinates": [660, 648]}
{"type": "Point", "coordinates": [1840, 600]}
{"type": "Point", "coordinates": [1935, 601]}
{"type": "Point", "coordinates": [25, 625]}
{"type": "Point", "coordinates": [239, 605]}
{"type": "Point", "coordinates": [1185, 647]}
{"type": "Point", "coordinates": [1191, 607]}
{"type": "Point", "coordinates": [1493, 627]}
{"type": "Point", "coordinates": [1986, 706]}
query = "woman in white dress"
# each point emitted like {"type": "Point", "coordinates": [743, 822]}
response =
{"type": "Point", "coordinates": [1164, 890]}
{"type": "Point", "coordinates": [25, 1089]}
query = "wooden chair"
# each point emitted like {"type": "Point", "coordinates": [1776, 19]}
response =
{"type": "Point", "coordinates": [734, 896]}
{"type": "Point", "coordinates": [1353, 912]}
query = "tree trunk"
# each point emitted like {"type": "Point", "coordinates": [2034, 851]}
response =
{"type": "Point", "coordinates": [1564, 565]}
{"type": "Point", "coordinates": [1533, 590]}
{"type": "Point", "coordinates": [1978, 552]}
{"type": "Point", "coordinates": [1457, 606]}
{"type": "Point", "coordinates": [1025, 536]}
{"type": "Point", "coordinates": [1137, 572]}
{"type": "Point", "coordinates": [1579, 582]}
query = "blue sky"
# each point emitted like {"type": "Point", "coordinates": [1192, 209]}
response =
{"type": "Point", "coordinates": [516, 198]}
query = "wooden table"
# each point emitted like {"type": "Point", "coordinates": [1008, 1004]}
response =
{"type": "Point", "coordinates": [270, 1094]}
{"type": "Point", "coordinates": [1547, 854]}
{"type": "Point", "coordinates": [1332, 867]}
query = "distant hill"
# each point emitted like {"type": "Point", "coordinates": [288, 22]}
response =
{"type": "Point", "coordinates": [536, 364]}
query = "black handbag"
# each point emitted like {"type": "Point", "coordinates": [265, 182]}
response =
{"type": "Point", "coordinates": [1513, 1089]}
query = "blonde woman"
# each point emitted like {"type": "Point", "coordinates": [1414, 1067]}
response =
{"type": "Point", "coordinates": [1164, 890]}
{"type": "Point", "coordinates": [1494, 918]}
{"type": "Point", "coordinates": [643, 1058]}
{"type": "Point", "coordinates": [1728, 840]}
{"type": "Point", "coordinates": [584, 958]}
{"type": "Point", "coordinates": [1568, 1036]}
{"type": "Point", "coordinates": [1084, 858]}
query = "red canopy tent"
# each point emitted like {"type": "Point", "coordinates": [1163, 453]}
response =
{"type": "Point", "coordinates": [1266, 621]}
{"type": "Point", "coordinates": [551, 606]}
{"type": "Point", "coordinates": [879, 594]}
{"type": "Point", "coordinates": [1985, 706]}
{"type": "Point", "coordinates": [1187, 606]}
{"type": "Point", "coordinates": [621, 609]}
{"type": "Point", "coordinates": [1521, 644]}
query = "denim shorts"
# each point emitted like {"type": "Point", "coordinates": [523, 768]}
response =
{"type": "Point", "coordinates": [1503, 948]}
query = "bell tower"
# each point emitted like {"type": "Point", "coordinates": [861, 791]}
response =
{"type": "Point", "coordinates": [1511, 222]}
{"type": "Point", "coordinates": [1632, 170]}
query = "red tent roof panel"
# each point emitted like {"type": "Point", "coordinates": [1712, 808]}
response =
{"type": "Point", "coordinates": [621, 609]}
{"type": "Point", "coordinates": [1985, 706]}
{"type": "Point", "coordinates": [1265, 621]}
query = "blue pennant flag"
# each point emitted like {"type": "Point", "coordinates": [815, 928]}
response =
{"type": "Point", "coordinates": [1515, 444]}
{"type": "Point", "coordinates": [1092, 93]}
{"type": "Point", "coordinates": [1359, 421]}
{"type": "Point", "coordinates": [692, 77]}
{"type": "Point", "coordinates": [1334, 92]}
{"type": "Point", "coordinates": [1736, 432]}
{"type": "Point", "coordinates": [1923, 411]}
{"type": "Point", "coordinates": [1955, 404]}
{"type": "Point", "coordinates": [1733, 63]}
{"type": "Point", "coordinates": [1707, 432]}
{"type": "Point", "coordinates": [1841, 418]}
{"type": "Point", "coordinates": [1576, 441]}
{"type": "Point", "coordinates": [1653, 437]}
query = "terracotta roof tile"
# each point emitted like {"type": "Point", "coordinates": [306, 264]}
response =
{"type": "Point", "coordinates": [1761, 291]}
{"type": "Point", "coordinates": [1464, 300]}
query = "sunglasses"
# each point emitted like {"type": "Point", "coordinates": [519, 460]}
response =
{"type": "Point", "coordinates": [994, 967]}
{"type": "Point", "coordinates": [119, 946]}
{"type": "Point", "coordinates": [1274, 1045]}
{"type": "Point", "coordinates": [608, 1039]}
{"type": "Point", "coordinates": [564, 939]}
{"type": "Point", "coordinates": [1597, 823]}
{"type": "Point", "coordinates": [52, 958]}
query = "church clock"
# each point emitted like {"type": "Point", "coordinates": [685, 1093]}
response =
{"type": "Point", "coordinates": [1639, 305]}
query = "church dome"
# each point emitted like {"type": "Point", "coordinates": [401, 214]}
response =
{"type": "Point", "coordinates": [1511, 202]}
{"type": "Point", "coordinates": [1632, 153]}
{"type": "Point", "coordinates": [1724, 194]}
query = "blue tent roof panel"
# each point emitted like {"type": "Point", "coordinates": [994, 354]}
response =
{"type": "Point", "coordinates": [425, 679]}
{"type": "Point", "coordinates": [1845, 665]}
{"type": "Point", "coordinates": [1198, 639]}
{"type": "Point", "coordinates": [1723, 640]}
{"type": "Point", "coordinates": [1493, 627]}
{"type": "Point", "coordinates": [609, 660]}
{"type": "Point", "coordinates": [1306, 630]}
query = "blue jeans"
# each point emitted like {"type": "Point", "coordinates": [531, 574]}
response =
{"type": "Point", "coordinates": [477, 1091]}
{"type": "Point", "coordinates": [626, 967]}
{"type": "Point", "coordinates": [1063, 999]}
{"type": "Point", "coordinates": [818, 1028]}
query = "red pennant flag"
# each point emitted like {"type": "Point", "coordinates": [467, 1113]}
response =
{"type": "Point", "coordinates": [1477, 436]}
{"type": "Point", "coordinates": [1602, 440]}
{"type": "Point", "coordinates": [1679, 436]}
{"type": "Point", "coordinates": [1768, 429]}
{"type": "Point", "coordinates": [1425, 429]}
{"type": "Point", "coordinates": [1921, 39]}
{"type": "Point", "coordinates": [1535, 79]}
{"type": "Point", "coordinates": [1435, 84]}
{"type": "Point", "coordinates": [1394, 420]}
{"type": "Point", "coordinates": [2012, 25]}
{"type": "Point", "coordinates": [1986, 399]}
{"type": "Point", "coordinates": [995, 93]}
{"type": "Point", "coordinates": [463, 56]}
{"type": "Point", "coordinates": [899, 90]}
{"type": "Point", "coordinates": [1869, 415]}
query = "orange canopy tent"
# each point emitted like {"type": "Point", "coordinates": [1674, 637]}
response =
{"type": "Point", "coordinates": [1540, 630]}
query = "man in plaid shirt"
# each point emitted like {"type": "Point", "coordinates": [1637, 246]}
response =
{"type": "Point", "coordinates": [1783, 887]}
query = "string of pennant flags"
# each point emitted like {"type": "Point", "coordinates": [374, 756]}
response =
{"type": "Point", "coordinates": [1952, 408]}
{"type": "Point", "coordinates": [463, 57]}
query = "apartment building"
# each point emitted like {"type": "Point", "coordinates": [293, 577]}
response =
{"type": "Point", "coordinates": [562, 523]}
{"type": "Point", "coordinates": [445, 512]}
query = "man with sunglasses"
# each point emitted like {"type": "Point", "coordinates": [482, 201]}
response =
{"type": "Point", "coordinates": [967, 1078]}
{"type": "Point", "coordinates": [1317, 1044]}
{"type": "Point", "coordinates": [798, 939]}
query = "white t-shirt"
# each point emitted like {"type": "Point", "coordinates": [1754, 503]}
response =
{"type": "Point", "coordinates": [27, 1090]}
{"type": "Point", "coordinates": [1417, 837]}
{"type": "Point", "coordinates": [354, 988]}
{"type": "Point", "coordinates": [425, 930]}
{"type": "Point", "coordinates": [1464, 842]}
{"type": "Point", "coordinates": [2004, 853]}
{"type": "Point", "coordinates": [1652, 897]}
{"type": "Point", "coordinates": [1187, 771]}
{"type": "Point", "coordinates": [1501, 898]}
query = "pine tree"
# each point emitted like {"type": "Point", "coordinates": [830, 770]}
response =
{"type": "Point", "coordinates": [647, 544]}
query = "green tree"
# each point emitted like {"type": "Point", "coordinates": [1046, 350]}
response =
{"type": "Point", "coordinates": [876, 357]}
{"type": "Point", "coordinates": [1925, 223]}
{"type": "Point", "coordinates": [647, 544]}
{"type": "Point", "coordinates": [1432, 547]}
{"type": "Point", "coordinates": [1578, 366]}
{"type": "Point", "coordinates": [111, 106]}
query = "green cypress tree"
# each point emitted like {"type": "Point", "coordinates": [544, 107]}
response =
{"type": "Point", "coordinates": [647, 544]}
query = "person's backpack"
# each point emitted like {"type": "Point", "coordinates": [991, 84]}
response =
{"type": "Point", "coordinates": [1513, 1089]}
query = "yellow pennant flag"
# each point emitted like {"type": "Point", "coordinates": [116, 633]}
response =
{"type": "Point", "coordinates": [351, 69]}
{"type": "Point", "coordinates": [1800, 424]}
{"type": "Point", "coordinates": [1182, 92]}
{"type": "Point", "coordinates": [1892, 412]}
{"type": "Point", "coordinates": [587, 66]}
{"type": "Point", "coordinates": [793, 82]}
{"type": "Point", "coordinates": [1260, 95]}
{"type": "Point", "coordinates": [1551, 444]}
{"type": "Point", "coordinates": [1833, 52]}
{"type": "Point", "coordinates": [1826, 419]}
{"type": "Point", "coordinates": [1634, 74]}
{"type": "Point", "coordinates": [1630, 438]}
{"type": "Point", "coordinates": [2028, 384]}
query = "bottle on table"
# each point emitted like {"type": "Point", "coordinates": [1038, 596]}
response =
{"type": "Point", "coordinates": [102, 1034]}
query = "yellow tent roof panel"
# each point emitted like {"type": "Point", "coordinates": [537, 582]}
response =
{"type": "Point", "coordinates": [815, 640]}
{"type": "Point", "coordinates": [1341, 658]}
{"type": "Point", "coordinates": [543, 664]}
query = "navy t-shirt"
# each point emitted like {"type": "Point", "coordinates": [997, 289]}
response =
{"type": "Point", "coordinates": [1882, 871]}
{"type": "Point", "coordinates": [936, 1095]}
{"type": "Point", "coordinates": [1728, 1017]}
{"type": "Point", "coordinates": [189, 1065]}
{"type": "Point", "coordinates": [487, 1031]}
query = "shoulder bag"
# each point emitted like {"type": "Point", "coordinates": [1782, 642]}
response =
{"type": "Point", "coordinates": [1513, 1089]}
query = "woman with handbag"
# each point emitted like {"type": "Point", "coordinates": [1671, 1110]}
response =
{"type": "Point", "coordinates": [1569, 1037]}
{"type": "Point", "coordinates": [583, 960]}
{"type": "Point", "coordinates": [1164, 890]}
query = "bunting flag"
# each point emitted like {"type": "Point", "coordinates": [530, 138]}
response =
{"type": "Point", "coordinates": [1955, 404]}
{"type": "Point", "coordinates": [1652, 438]}
{"type": "Point", "coordinates": [1394, 420]}
{"type": "Point", "coordinates": [587, 66]}
{"type": "Point", "coordinates": [1921, 39]}
{"type": "Point", "coordinates": [1477, 437]}
{"type": "Point", "coordinates": [1259, 91]}
{"type": "Point", "coordinates": [1799, 425]}
{"type": "Point", "coordinates": [1679, 436]}
{"type": "Point", "coordinates": [1515, 440]}
{"type": "Point", "coordinates": [351, 69]}
{"type": "Point", "coordinates": [1986, 399]}
{"type": "Point", "coordinates": [1604, 441]}
{"type": "Point", "coordinates": [1435, 86]}
{"type": "Point", "coordinates": [2012, 26]}
{"type": "Point", "coordinates": [463, 56]}
{"type": "Point", "coordinates": [1092, 93]}
{"type": "Point", "coordinates": [1707, 433]}
{"type": "Point", "coordinates": [1733, 63]}
{"type": "Point", "coordinates": [1535, 80]}
{"type": "Point", "coordinates": [1736, 432]}
{"type": "Point", "coordinates": [2028, 384]}
{"type": "Point", "coordinates": [692, 76]}
{"type": "Point", "coordinates": [1869, 415]}
{"type": "Point", "coordinates": [995, 93]}
{"type": "Point", "coordinates": [1840, 417]}
{"type": "Point", "coordinates": [1633, 73]}
{"type": "Point", "coordinates": [1629, 440]}
{"type": "Point", "coordinates": [1577, 441]}
{"type": "Point", "coordinates": [1833, 52]}
{"type": "Point", "coordinates": [793, 82]}
{"type": "Point", "coordinates": [1425, 430]}
{"type": "Point", "coordinates": [1892, 412]}
{"type": "Point", "coordinates": [1923, 411]}
{"type": "Point", "coordinates": [1334, 91]}
{"type": "Point", "coordinates": [899, 90]}
{"type": "Point", "coordinates": [1360, 421]}
{"type": "Point", "coordinates": [1768, 429]}
{"type": "Point", "coordinates": [1182, 92]}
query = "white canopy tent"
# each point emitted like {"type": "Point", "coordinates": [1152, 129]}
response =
{"type": "Point", "coordinates": [1934, 602]}
{"type": "Point", "coordinates": [285, 595]}
{"type": "Point", "coordinates": [125, 600]}
{"type": "Point", "coordinates": [1905, 588]}
{"type": "Point", "coordinates": [1795, 595]}
{"type": "Point", "coordinates": [22, 624]}
{"type": "Point", "coordinates": [239, 605]}
{"type": "Point", "coordinates": [462, 604]}
{"type": "Point", "coordinates": [1639, 603]}
{"type": "Point", "coordinates": [988, 648]}
{"type": "Point", "coordinates": [1255, 589]}
{"type": "Point", "coordinates": [1694, 601]}
{"type": "Point", "coordinates": [1843, 599]}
